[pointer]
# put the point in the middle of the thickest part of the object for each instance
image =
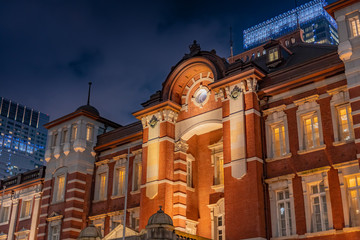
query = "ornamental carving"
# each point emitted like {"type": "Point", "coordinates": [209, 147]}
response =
{"type": "Point", "coordinates": [181, 146]}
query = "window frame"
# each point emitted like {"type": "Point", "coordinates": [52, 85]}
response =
{"type": "Point", "coordinates": [308, 180]}
{"type": "Point", "coordinates": [308, 107]}
{"type": "Point", "coordinates": [354, 16]}
{"type": "Point", "coordinates": [276, 117]}
{"type": "Point", "coordinates": [59, 173]}
{"type": "Point", "coordinates": [23, 215]}
{"type": "Point", "coordinates": [137, 161]}
{"type": "Point", "coordinates": [101, 169]}
{"type": "Point", "coordinates": [119, 165]}
{"type": "Point", "coordinates": [340, 98]}
{"type": "Point", "coordinates": [4, 221]}
{"type": "Point", "coordinates": [272, 57]}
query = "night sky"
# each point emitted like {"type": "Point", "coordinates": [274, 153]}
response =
{"type": "Point", "coordinates": [50, 50]}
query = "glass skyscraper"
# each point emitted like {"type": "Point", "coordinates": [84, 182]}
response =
{"type": "Point", "coordinates": [318, 26]}
{"type": "Point", "coordinates": [22, 138]}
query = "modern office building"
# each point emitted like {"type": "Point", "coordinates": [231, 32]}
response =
{"type": "Point", "coordinates": [22, 138]}
{"type": "Point", "coordinates": [316, 23]}
{"type": "Point", "coordinates": [262, 149]}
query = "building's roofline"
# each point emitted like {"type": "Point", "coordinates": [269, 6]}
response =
{"type": "Point", "coordinates": [26, 178]}
{"type": "Point", "coordinates": [125, 134]}
{"type": "Point", "coordinates": [331, 8]}
{"type": "Point", "coordinates": [81, 113]}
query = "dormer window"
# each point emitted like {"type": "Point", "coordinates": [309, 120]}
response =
{"type": "Point", "coordinates": [273, 54]}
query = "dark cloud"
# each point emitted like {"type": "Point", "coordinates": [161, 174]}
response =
{"type": "Point", "coordinates": [49, 50]}
{"type": "Point", "coordinates": [86, 62]}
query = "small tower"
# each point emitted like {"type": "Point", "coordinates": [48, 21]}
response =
{"type": "Point", "coordinates": [70, 160]}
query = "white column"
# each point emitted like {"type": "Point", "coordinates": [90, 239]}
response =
{"type": "Point", "coordinates": [80, 141]}
{"type": "Point", "coordinates": [48, 147]}
{"type": "Point", "coordinates": [94, 139]}
{"type": "Point", "coordinates": [66, 148]}
{"type": "Point", "coordinates": [35, 217]}
{"type": "Point", "coordinates": [57, 144]}
{"type": "Point", "coordinates": [13, 221]}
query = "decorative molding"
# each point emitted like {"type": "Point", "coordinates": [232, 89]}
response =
{"type": "Point", "coordinates": [302, 101]}
{"type": "Point", "coordinates": [181, 146]}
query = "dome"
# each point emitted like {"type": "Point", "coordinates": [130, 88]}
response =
{"type": "Point", "coordinates": [90, 232]}
{"type": "Point", "coordinates": [90, 109]}
{"type": "Point", "coordinates": [160, 218]}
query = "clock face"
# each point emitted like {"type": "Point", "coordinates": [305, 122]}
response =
{"type": "Point", "coordinates": [201, 96]}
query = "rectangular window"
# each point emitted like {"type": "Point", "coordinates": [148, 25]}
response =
{"type": "Point", "coordinates": [120, 182]}
{"type": "Point", "coordinates": [54, 139]}
{"type": "Point", "coordinates": [64, 135]}
{"type": "Point", "coordinates": [134, 223]}
{"type": "Point", "coordinates": [189, 174]}
{"type": "Point", "coordinates": [278, 140]}
{"type": "Point", "coordinates": [137, 176]}
{"type": "Point", "coordinates": [354, 26]}
{"type": "Point", "coordinates": [60, 188]}
{"type": "Point", "coordinates": [26, 209]}
{"type": "Point", "coordinates": [4, 217]}
{"type": "Point", "coordinates": [319, 213]}
{"type": "Point", "coordinates": [284, 213]}
{"type": "Point", "coordinates": [219, 171]}
{"type": "Point", "coordinates": [345, 122]}
{"type": "Point", "coordinates": [353, 184]}
{"type": "Point", "coordinates": [73, 132]}
{"type": "Point", "coordinates": [220, 228]}
{"type": "Point", "coordinates": [89, 133]}
{"type": "Point", "coordinates": [55, 232]}
{"type": "Point", "coordinates": [102, 186]}
{"type": "Point", "coordinates": [311, 131]}
{"type": "Point", "coordinates": [273, 54]}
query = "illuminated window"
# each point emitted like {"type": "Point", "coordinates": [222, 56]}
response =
{"type": "Point", "coordinates": [311, 131]}
{"type": "Point", "coordinates": [354, 24]}
{"type": "Point", "coordinates": [73, 132]}
{"type": "Point", "coordinates": [285, 224]}
{"type": "Point", "coordinates": [345, 122]}
{"type": "Point", "coordinates": [353, 187]}
{"type": "Point", "coordinates": [189, 173]}
{"type": "Point", "coordinates": [319, 212]}
{"type": "Point", "coordinates": [89, 133]}
{"type": "Point", "coordinates": [4, 214]}
{"type": "Point", "coordinates": [102, 186]}
{"type": "Point", "coordinates": [219, 171]}
{"type": "Point", "coordinates": [273, 54]}
{"type": "Point", "coordinates": [101, 182]}
{"type": "Point", "coordinates": [278, 141]}
{"type": "Point", "coordinates": [60, 188]}
{"type": "Point", "coordinates": [137, 176]}
{"type": "Point", "coordinates": [120, 182]}
{"type": "Point", "coordinates": [25, 209]}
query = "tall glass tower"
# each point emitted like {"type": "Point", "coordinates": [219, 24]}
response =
{"type": "Point", "coordinates": [22, 138]}
{"type": "Point", "coordinates": [318, 26]}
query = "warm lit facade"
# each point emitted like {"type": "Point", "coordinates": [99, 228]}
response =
{"type": "Point", "coordinates": [262, 149]}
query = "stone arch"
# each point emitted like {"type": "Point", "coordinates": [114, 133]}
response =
{"type": "Point", "coordinates": [186, 131]}
{"type": "Point", "coordinates": [208, 67]}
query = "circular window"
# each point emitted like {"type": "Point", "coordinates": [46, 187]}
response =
{"type": "Point", "coordinates": [201, 96]}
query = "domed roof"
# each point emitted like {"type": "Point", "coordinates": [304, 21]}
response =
{"type": "Point", "coordinates": [90, 232]}
{"type": "Point", "coordinates": [160, 218]}
{"type": "Point", "coordinates": [90, 109]}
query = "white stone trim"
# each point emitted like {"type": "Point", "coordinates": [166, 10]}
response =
{"type": "Point", "coordinates": [75, 199]}
{"type": "Point", "coordinates": [74, 209]}
{"type": "Point", "coordinates": [254, 111]}
{"type": "Point", "coordinates": [179, 217]}
{"type": "Point", "coordinates": [73, 219]}
{"type": "Point", "coordinates": [179, 205]}
{"type": "Point", "coordinates": [77, 181]}
{"type": "Point", "coordinates": [180, 172]}
{"type": "Point", "coordinates": [71, 229]}
{"type": "Point", "coordinates": [76, 189]}
{"type": "Point", "coordinates": [180, 194]}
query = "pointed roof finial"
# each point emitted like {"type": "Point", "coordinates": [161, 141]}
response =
{"type": "Point", "coordinates": [160, 210]}
{"type": "Point", "coordinates": [88, 100]}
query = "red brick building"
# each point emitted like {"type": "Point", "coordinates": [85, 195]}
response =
{"type": "Point", "coordinates": [268, 148]}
